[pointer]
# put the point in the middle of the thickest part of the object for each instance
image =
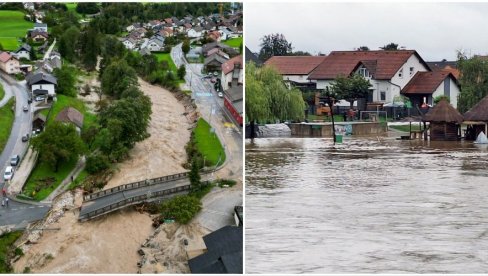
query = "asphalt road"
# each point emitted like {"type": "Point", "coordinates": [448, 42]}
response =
{"type": "Point", "coordinates": [18, 213]}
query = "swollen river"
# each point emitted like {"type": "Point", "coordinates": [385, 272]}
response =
{"type": "Point", "coordinates": [366, 206]}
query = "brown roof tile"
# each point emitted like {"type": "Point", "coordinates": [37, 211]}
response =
{"type": "Point", "coordinates": [479, 112]}
{"type": "Point", "coordinates": [444, 112]}
{"type": "Point", "coordinates": [228, 66]}
{"type": "Point", "coordinates": [426, 82]}
{"type": "Point", "coordinates": [295, 65]}
{"type": "Point", "coordinates": [70, 115]}
{"type": "Point", "coordinates": [344, 62]}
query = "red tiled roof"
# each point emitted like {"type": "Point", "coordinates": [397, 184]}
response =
{"type": "Point", "coordinates": [295, 65]}
{"type": "Point", "coordinates": [4, 57]}
{"type": "Point", "coordinates": [228, 66]}
{"type": "Point", "coordinates": [426, 82]}
{"type": "Point", "coordinates": [344, 62]}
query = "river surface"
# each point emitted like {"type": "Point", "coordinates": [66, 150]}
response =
{"type": "Point", "coordinates": [368, 205]}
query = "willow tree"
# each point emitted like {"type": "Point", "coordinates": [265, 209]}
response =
{"type": "Point", "coordinates": [473, 81]}
{"type": "Point", "coordinates": [268, 99]}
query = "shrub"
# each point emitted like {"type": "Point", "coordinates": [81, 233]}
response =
{"type": "Point", "coordinates": [181, 208]}
{"type": "Point", "coordinates": [97, 162]}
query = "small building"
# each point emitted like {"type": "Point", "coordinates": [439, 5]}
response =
{"type": "Point", "coordinates": [8, 63]}
{"type": "Point", "coordinates": [477, 119]}
{"type": "Point", "coordinates": [42, 84]}
{"type": "Point", "coordinates": [72, 116]}
{"type": "Point", "coordinates": [233, 101]}
{"type": "Point", "coordinates": [232, 70]}
{"type": "Point", "coordinates": [214, 62]}
{"type": "Point", "coordinates": [195, 32]}
{"type": "Point", "coordinates": [155, 44]}
{"type": "Point", "coordinates": [23, 51]}
{"type": "Point", "coordinates": [129, 43]}
{"type": "Point", "coordinates": [224, 252]}
{"type": "Point", "coordinates": [38, 121]}
{"type": "Point", "coordinates": [445, 122]}
{"type": "Point", "coordinates": [38, 36]}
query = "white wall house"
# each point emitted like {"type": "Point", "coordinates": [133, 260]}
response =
{"type": "Point", "coordinates": [129, 43]}
{"type": "Point", "coordinates": [9, 64]}
{"type": "Point", "coordinates": [23, 52]}
{"type": "Point", "coordinates": [195, 32]}
{"type": "Point", "coordinates": [295, 69]}
{"type": "Point", "coordinates": [42, 84]}
{"type": "Point", "coordinates": [41, 27]}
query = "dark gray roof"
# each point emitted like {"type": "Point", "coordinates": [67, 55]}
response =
{"type": "Point", "coordinates": [215, 57]}
{"type": "Point", "coordinates": [41, 77]}
{"type": "Point", "coordinates": [224, 253]}
{"type": "Point", "coordinates": [24, 46]}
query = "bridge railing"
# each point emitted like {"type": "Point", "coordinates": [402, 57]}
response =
{"type": "Point", "coordinates": [135, 185]}
{"type": "Point", "coordinates": [134, 200]}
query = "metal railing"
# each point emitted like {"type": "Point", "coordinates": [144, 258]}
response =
{"type": "Point", "coordinates": [135, 200]}
{"type": "Point", "coordinates": [135, 185]}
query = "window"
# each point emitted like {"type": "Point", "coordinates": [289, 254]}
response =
{"type": "Point", "coordinates": [364, 72]}
{"type": "Point", "coordinates": [411, 71]}
{"type": "Point", "coordinates": [382, 96]}
{"type": "Point", "coordinates": [400, 74]}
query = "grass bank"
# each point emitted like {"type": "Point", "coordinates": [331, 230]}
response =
{"type": "Point", "coordinates": [14, 27]}
{"type": "Point", "coordinates": [65, 101]}
{"type": "Point", "coordinates": [7, 250]}
{"type": "Point", "coordinates": [208, 144]}
{"type": "Point", "coordinates": [234, 42]}
{"type": "Point", "coordinates": [7, 116]}
{"type": "Point", "coordinates": [406, 128]}
{"type": "Point", "coordinates": [2, 92]}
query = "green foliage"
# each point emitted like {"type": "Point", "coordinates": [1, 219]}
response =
{"type": "Point", "coordinates": [390, 47]}
{"type": "Point", "coordinates": [268, 99]}
{"type": "Point", "coordinates": [208, 144]}
{"type": "Point", "coordinates": [473, 81]}
{"type": "Point", "coordinates": [228, 182]}
{"type": "Point", "coordinates": [7, 116]}
{"type": "Point", "coordinates": [89, 47]}
{"type": "Point", "coordinates": [350, 88]}
{"type": "Point", "coordinates": [96, 162]}
{"type": "Point", "coordinates": [68, 43]}
{"type": "Point", "coordinates": [440, 98]}
{"type": "Point", "coordinates": [59, 143]}
{"type": "Point", "coordinates": [66, 80]}
{"type": "Point", "coordinates": [182, 72]}
{"type": "Point", "coordinates": [181, 208]}
{"type": "Point", "coordinates": [7, 250]}
{"type": "Point", "coordinates": [274, 45]}
{"type": "Point", "coordinates": [87, 8]}
{"type": "Point", "coordinates": [186, 46]}
{"type": "Point", "coordinates": [118, 77]}
{"type": "Point", "coordinates": [13, 26]}
{"type": "Point", "coordinates": [194, 176]}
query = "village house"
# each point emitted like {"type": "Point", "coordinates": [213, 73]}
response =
{"type": "Point", "coordinates": [132, 27]}
{"type": "Point", "coordinates": [213, 63]}
{"type": "Point", "coordinates": [155, 44]}
{"type": "Point", "coordinates": [227, 49]}
{"type": "Point", "coordinates": [214, 35]}
{"type": "Point", "coordinates": [444, 65]}
{"type": "Point", "coordinates": [232, 70]}
{"type": "Point", "coordinates": [70, 115]}
{"type": "Point", "coordinates": [8, 63]}
{"type": "Point", "coordinates": [129, 43]}
{"type": "Point", "coordinates": [38, 36]}
{"type": "Point", "coordinates": [391, 74]}
{"type": "Point", "coordinates": [195, 32]}
{"type": "Point", "coordinates": [41, 83]}
{"type": "Point", "coordinates": [23, 51]}
{"type": "Point", "coordinates": [233, 99]}
{"type": "Point", "coordinates": [41, 27]}
{"type": "Point", "coordinates": [296, 69]}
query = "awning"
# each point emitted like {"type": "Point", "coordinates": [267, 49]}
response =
{"type": "Point", "coordinates": [474, 123]}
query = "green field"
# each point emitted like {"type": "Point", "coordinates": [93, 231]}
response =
{"type": "Point", "coordinates": [2, 93]}
{"type": "Point", "coordinates": [39, 179]}
{"type": "Point", "coordinates": [208, 144]}
{"type": "Point", "coordinates": [65, 101]}
{"type": "Point", "coordinates": [234, 42]}
{"type": "Point", "coordinates": [167, 58]}
{"type": "Point", "coordinates": [13, 28]}
{"type": "Point", "coordinates": [6, 121]}
{"type": "Point", "coordinates": [406, 128]}
{"type": "Point", "coordinates": [6, 242]}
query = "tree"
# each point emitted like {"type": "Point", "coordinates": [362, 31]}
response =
{"type": "Point", "coordinates": [181, 72]}
{"type": "Point", "coordinates": [59, 143]}
{"type": "Point", "coordinates": [96, 162]}
{"type": "Point", "coordinates": [89, 48]}
{"type": "Point", "coordinates": [350, 88]}
{"type": "Point", "coordinates": [186, 46]}
{"type": "Point", "coordinates": [268, 99]}
{"type": "Point", "coordinates": [182, 208]}
{"type": "Point", "coordinates": [363, 48]}
{"type": "Point", "coordinates": [117, 77]}
{"type": "Point", "coordinates": [87, 8]}
{"type": "Point", "coordinates": [194, 176]}
{"type": "Point", "coordinates": [473, 80]}
{"type": "Point", "coordinates": [300, 53]}
{"type": "Point", "coordinates": [390, 47]}
{"type": "Point", "coordinates": [274, 45]}
{"type": "Point", "coordinates": [1, 47]}
{"type": "Point", "coordinates": [66, 80]}
{"type": "Point", "coordinates": [68, 43]}
{"type": "Point", "coordinates": [32, 53]}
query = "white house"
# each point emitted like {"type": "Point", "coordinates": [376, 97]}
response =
{"type": "Point", "coordinates": [155, 44]}
{"type": "Point", "coordinates": [195, 32]}
{"type": "Point", "coordinates": [232, 70]}
{"type": "Point", "coordinates": [42, 84]}
{"type": "Point", "coordinates": [129, 43]}
{"type": "Point", "coordinates": [9, 64]}
{"type": "Point", "coordinates": [389, 72]}
{"type": "Point", "coordinates": [41, 27]}
{"type": "Point", "coordinates": [23, 51]}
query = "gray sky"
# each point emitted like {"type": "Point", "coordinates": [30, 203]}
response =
{"type": "Point", "coordinates": [435, 30]}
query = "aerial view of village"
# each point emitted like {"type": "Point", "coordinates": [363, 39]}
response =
{"type": "Point", "coordinates": [121, 137]}
{"type": "Point", "coordinates": [366, 148]}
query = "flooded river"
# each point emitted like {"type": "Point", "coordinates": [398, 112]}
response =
{"type": "Point", "coordinates": [366, 206]}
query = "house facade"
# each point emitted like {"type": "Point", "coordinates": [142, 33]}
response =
{"type": "Point", "coordinates": [23, 51]}
{"type": "Point", "coordinates": [41, 27]}
{"type": "Point", "coordinates": [295, 69]}
{"type": "Point", "coordinates": [232, 70]}
{"type": "Point", "coordinates": [42, 84]}
{"type": "Point", "coordinates": [9, 64]}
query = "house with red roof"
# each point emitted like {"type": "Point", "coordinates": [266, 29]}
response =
{"type": "Point", "coordinates": [232, 69]}
{"type": "Point", "coordinates": [295, 69]}
{"type": "Point", "coordinates": [391, 74]}
{"type": "Point", "coordinates": [8, 63]}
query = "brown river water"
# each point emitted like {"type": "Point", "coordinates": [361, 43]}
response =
{"type": "Point", "coordinates": [368, 205]}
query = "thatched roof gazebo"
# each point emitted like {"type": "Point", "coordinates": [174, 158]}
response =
{"type": "Point", "coordinates": [445, 122]}
{"type": "Point", "coordinates": [477, 118]}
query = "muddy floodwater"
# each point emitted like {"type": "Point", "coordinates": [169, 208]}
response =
{"type": "Point", "coordinates": [368, 205]}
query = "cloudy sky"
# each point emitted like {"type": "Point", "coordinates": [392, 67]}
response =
{"type": "Point", "coordinates": [435, 30]}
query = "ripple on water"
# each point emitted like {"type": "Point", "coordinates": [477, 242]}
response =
{"type": "Point", "coordinates": [366, 206]}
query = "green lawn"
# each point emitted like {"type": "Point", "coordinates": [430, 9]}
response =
{"type": "Point", "coordinates": [208, 144]}
{"type": "Point", "coordinates": [6, 242]}
{"type": "Point", "coordinates": [13, 27]}
{"type": "Point", "coordinates": [6, 121]}
{"type": "Point", "coordinates": [406, 128]}
{"type": "Point", "coordinates": [2, 92]}
{"type": "Point", "coordinates": [234, 42]}
{"type": "Point", "coordinates": [43, 180]}
{"type": "Point", "coordinates": [79, 179]}
{"type": "Point", "coordinates": [167, 57]}
{"type": "Point", "coordinates": [65, 101]}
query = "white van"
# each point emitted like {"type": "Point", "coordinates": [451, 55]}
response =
{"type": "Point", "coordinates": [9, 173]}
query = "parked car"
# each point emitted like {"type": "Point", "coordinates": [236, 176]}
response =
{"type": "Point", "coordinates": [14, 161]}
{"type": "Point", "coordinates": [9, 173]}
{"type": "Point", "coordinates": [40, 99]}
{"type": "Point", "coordinates": [29, 101]}
{"type": "Point", "coordinates": [221, 95]}
{"type": "Point", "coordinates": [26, 108]}
{"type": "Point", "coordinates": [25, 138]}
